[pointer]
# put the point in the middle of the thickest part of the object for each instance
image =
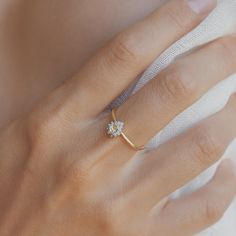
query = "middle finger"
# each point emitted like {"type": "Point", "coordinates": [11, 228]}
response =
{"type": "Point", "coordinates": [176, 88]}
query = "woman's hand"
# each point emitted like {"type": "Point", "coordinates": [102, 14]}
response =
{"type": "Point", "coordinates": [60, 173]}
{"type": "Point", "coordinates": [43, 43]}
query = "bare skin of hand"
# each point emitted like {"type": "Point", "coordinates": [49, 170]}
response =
{"type": "Point", "coordinates": [43, 43]}
{"type": "Point", "coordinates": [60, 173]}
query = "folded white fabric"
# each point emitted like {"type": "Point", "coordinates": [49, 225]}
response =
{"type": "Point", "coordinates": [222, 21]}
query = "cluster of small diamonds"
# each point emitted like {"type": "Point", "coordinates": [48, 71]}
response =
{"type": "Point", "coordinates": [115, 128]}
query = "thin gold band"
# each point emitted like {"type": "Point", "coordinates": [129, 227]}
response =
{"type": "Point", "coordinates": [138, 148]}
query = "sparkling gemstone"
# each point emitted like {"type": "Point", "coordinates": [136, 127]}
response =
{"type": "Point", "coordinates": [115, 128]}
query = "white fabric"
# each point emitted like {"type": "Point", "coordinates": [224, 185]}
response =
{"type": "Point", "coordinates": [222, 21]}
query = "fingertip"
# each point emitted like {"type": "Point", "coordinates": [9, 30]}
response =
{"type": "Point", "coordinates": [231, 106]}
{"type": "Point", "coordinates": [202, 7]}
{"type": "Point", "coordinates": [226, 172]}
{"type": "Point", "coordinates": [233, 98]}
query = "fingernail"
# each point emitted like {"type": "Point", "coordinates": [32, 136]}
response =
{"type": "Point", "coordinates": [202, 7]}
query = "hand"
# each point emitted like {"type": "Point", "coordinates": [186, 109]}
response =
{"type": "Point", "coordinates": [60, 173]}
{"type": "Point", "coordinates": [43, 43]}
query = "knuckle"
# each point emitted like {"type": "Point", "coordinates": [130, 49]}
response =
{"type": "Point", "coordinates": [43, 127]}
{"type": "Point", "coordinates": [177, 85]}
{"type": "Point", "coordinates": [227, 48]}
{"type": "Point", "coordinates": [122, 50]}
{"type": "Point", "coordinates": [206, 147]}
{"type": "Point", "coordinates": [30, 171]}
{"type": "Point", "coordinates": [39, 126]}
{"type": "Point", "coordinates": [105, 222]}
{"type": "Point", "coordinates": [213, 211]}
{"type": "Point", "coordinates": [76, 174]}
{"type": "Point", "coordinates": [177, 18]}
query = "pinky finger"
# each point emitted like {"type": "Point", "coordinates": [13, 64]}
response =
{"type": "Point", "coordinates": [197, 211]}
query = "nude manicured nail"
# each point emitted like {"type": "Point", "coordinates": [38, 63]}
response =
{"type": "Point", "coordinates": [202, 7]}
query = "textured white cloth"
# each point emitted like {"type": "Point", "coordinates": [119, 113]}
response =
{"type": "Point", "coordinates": [222, 21]}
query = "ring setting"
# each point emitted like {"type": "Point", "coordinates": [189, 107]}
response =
{"type": "Point", "coordinates": [115, 128]}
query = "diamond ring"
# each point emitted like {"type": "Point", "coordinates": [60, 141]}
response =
{"type": "Point", "coordinates": [115, 128]}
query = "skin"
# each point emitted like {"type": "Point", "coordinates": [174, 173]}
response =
{"type": "Point", "coordinates": [45, 51]}
{"type": "Point", "coordinates": [61, 174]}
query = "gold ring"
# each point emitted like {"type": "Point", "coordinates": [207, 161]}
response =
{"type": "Point", "coordinates": [115, 129]}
